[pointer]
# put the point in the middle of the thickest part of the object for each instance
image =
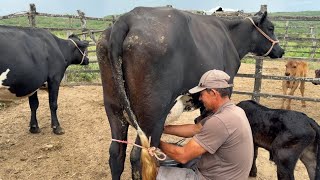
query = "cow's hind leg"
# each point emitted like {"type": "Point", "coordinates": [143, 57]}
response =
{"type": "Point", "coordinates": [34, 104]}
{"type": "Point", "coordinates": [135, 161]}
{"type": "Point", "coordinates": [53, 88]}
{"type": "Point", "coordinates": [153, 130]}
{"type": "Point", "coordinates": [253, 171]}
{"type": "Point", "coordinates": [119, 131]}
{"type": "Point", "coordinates": [286, 150]}
{"type": "Point", "coordinates": [284, 90]}
{"type": "Point", "coordinates": [309, 159]}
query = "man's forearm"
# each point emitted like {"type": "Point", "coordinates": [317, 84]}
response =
{"type": "Point", "coordinates": [186, 130]}
{"type": "Point", "coordinates": [173, 151]}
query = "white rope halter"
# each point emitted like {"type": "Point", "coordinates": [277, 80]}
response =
{"type": "Point", "coordinates": [265, 35]}
{"type": "Point", "coordinates": [83, 53]}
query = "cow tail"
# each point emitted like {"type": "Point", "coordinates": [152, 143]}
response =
{"type": "Point", "coordinates": [119, 32]}
{"type": "Point", "coordinates": [316, 127]}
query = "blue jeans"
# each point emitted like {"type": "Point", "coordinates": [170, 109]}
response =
{"type": "Point", "coordinates": [176, 173]}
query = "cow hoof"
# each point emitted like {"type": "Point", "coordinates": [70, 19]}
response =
{"type": "Point", "coordinates": [58, 130]}
{"type": "Point", "coordinates": [34, 130]}
{"type": "Point", "coordinates": [253, 174]}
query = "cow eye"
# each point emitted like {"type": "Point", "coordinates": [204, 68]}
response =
{"type": "Point", "coordinates": [271, 28]}
{"type": "Point", "coordinates": [294, 66]}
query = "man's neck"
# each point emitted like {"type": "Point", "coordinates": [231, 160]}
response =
{"type": "Point", "coordinates": [221, 102]}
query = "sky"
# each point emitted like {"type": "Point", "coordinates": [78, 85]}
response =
{"type": "Point", "coordinates": [101, 8]}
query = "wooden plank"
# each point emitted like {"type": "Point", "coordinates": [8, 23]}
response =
{"type": "Point", "coordinates": [286, 78]}
{"type": "Point", "coordinates": [286, 58]}
{"type": "Point", "coordinates": [314, 43]}
{"type": "Point", "coordinates": [268, 95]}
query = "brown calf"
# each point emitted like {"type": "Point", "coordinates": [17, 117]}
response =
{"type": "Point", "coordinates": [294, 69]}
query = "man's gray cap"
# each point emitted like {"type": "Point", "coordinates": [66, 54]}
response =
{"type": "Point", "coordinates": [211, 80]}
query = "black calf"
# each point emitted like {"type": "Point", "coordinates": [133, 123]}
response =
{"type": "Point", "coordinates": [287, 135]}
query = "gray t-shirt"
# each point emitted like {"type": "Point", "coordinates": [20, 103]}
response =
{"type": "Point", "coordinates": [227, 137]}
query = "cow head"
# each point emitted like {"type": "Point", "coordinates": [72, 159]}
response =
{"type": "Point", "coordinates": [80, 50]}
{"type": "Point", "coordinates": [264, 41]}
{"type": "Point", "coordinates": [291, 68]}
{"type": "Point", "coordinates": [317, 75]}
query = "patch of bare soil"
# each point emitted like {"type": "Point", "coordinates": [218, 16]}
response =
{"type": "Point", "coordinates": [82, 152]}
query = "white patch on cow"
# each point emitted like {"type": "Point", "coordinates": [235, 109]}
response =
{"type": "Point", "coordinates": [5, 94]}
{"type": "Point", "coordinates": [3, 77]}
{"type": "Point", "coordinates": [183, 104]}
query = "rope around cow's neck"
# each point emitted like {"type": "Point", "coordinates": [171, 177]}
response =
{"type": "Point", "coordinates": [153, 151]}
{"type": "Point", "coordinates": [83, 53]}
{"type": "Point", "coordinates": [265, 35]}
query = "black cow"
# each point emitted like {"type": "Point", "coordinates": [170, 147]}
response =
{"type": "Point", "coordinates": [287, 135]}
{"type": "Point", "coordinates": [152, 55]}
{"type": "Point", "coordinates": [317, 75]}
{"type": "Point", "coordinates": [29, 58]}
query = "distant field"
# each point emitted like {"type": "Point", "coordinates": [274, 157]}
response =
{"type": "Point", "coordinates": [302, 13]}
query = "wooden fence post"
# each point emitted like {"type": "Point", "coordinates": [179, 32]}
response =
{"type": "Point", "coordinates": [263, 8]}
{"type": "Point", "coordinates": [69, 32]}
{"type": "Point", "coordinates": [314, 42]}
{"type": "Point", "coordinates": [113, 19]}
{"type": "Point", "coordinates": [83, 22]}
{"type": "Point", "coordinates": [32, 15]}
{"type": "Point", "coordinates": [258, 73]}
{"type": "Point", "coordinates": [286, 35]}
{"type": "Point", "coordinates": [257, 79]}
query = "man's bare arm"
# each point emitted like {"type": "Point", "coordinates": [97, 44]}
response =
{"type": "Point", "coordinates": [182, 154]}
{"type": "Point", "coordinates": [186, 130]}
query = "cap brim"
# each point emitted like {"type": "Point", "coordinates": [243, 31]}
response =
{"type": "Point", "coordinates": [196, 89]}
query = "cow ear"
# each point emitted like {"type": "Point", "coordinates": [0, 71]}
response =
{"type": "Point", "coordinates": [83, 44]}
{"type": "Point", "coordinates": [73, 36]}
{"type": "Point", "coordinates": [260, 17]}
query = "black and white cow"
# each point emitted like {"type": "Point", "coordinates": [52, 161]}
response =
{"type": "Point", "coordinates": [29, 58]}
{"type": "Point", "coordinates": [150, 56]}
{"type": "Point", "coordinates": [287, 135]}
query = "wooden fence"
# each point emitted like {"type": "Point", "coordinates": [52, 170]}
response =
{"type": "Point", "coordinates": [291, 41]}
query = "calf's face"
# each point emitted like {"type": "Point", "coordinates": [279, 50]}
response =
{"type": "Point", "coordinates": [291, 68]}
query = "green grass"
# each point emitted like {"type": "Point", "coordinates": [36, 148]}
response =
{"type": "Point", "coordinates": [55, 22]}
{"type": "Point", "coordinates": [86, 76]}
{"type": "Point", "coordinates": [301, 13]}
{"type": "Point", "coordinates": [248, 61]}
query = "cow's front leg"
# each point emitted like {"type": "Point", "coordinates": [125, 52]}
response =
{"type": "Point", "coordinates": [284, 90]}
{"type": "Point", "coordinates": [34, 104]}
{"type": "Point", "coordinates": [53, 87]}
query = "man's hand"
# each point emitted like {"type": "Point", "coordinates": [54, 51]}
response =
{"type": "Point", "coordinates": [182, 154]}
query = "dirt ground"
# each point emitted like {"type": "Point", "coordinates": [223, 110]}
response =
{"type": "Point", "coordinates": [82, 152]}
